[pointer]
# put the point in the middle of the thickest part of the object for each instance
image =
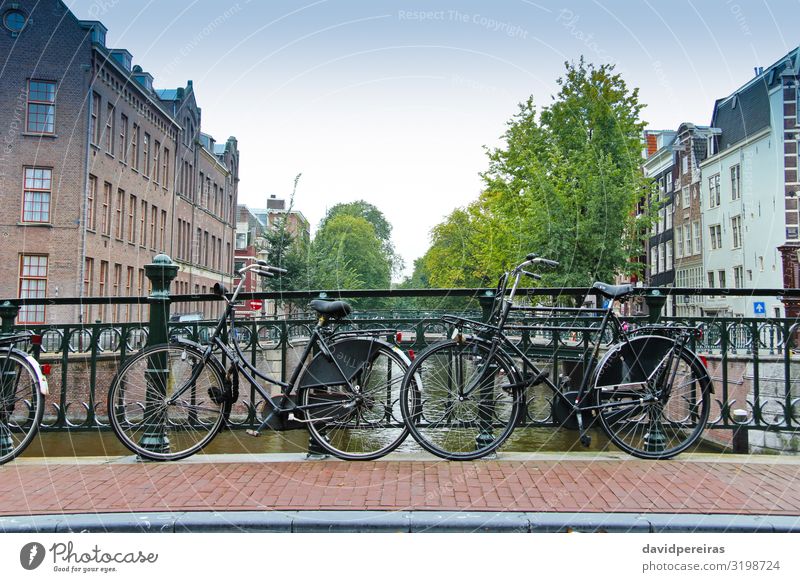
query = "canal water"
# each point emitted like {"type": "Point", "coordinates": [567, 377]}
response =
{"type": "Point", "coordinates": [103, 443]}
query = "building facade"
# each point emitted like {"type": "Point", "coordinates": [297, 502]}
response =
{"type": "Point", "coordinates": [99, 171]}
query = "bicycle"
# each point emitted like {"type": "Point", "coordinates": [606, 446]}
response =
{"type": "Point", "coordinates": [462, 397]}
{"type": "Point", "coordinates": [23, 387]}
{"type": "Point", "coordinates": [169, 401]}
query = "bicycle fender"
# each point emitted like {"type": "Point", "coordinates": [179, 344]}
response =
{"type": "Point", "coordinates": [44, 388]}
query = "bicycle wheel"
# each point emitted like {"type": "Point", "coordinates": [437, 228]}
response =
{"type": "Point", "coordinates": [145, 414]}
{"type": "Point", "coordinates": [455, 403]}
{"type": "Point", "coordinates": [662, 396]}
{"type": "Point", "coordinates": [365, 423]}
{"type": "Point", "coordinates": [21, 405]}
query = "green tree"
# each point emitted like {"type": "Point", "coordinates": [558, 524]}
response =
{"type": "Point", "coordinates": [564, 185]}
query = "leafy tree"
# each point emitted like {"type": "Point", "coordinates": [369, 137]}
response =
{"type": "Point", "coordinates": [565, 185]}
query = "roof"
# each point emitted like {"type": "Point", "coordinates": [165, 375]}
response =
{"type": "Point", "coordinates": [167, 94]}
{"type": "Point", "coordinates": [746, 111]}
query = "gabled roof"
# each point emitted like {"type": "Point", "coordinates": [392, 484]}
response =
{"type": "Point", "coordinates": [746, 111]}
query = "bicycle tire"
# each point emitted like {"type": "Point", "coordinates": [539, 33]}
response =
{"type": "Point", "coordinates": [460, 428]}
{"type": "Point", "coordinates": [359, 426]}
{"type": "Point", "coordinates": [671, 423]}
{"type": "Point", "coordinates": [137, 403]}
{"type": "Point", "coordinates": [21, 404]}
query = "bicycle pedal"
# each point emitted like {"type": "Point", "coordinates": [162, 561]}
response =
{"type": "Point", "coordinates": [586, 440]}
{"type": "Point", "coordinates": [253, 433]}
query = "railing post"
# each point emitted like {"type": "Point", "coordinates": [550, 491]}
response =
{"type": "Point", "coordinates": [486, 392]}
{"type": "Point", "coordinates": [655, 302]}
{"type": "Point", "coordinates": [487, 302]}
{"type": "Point", "coordinates": [741, 440]}
{"type": "Point", "coordinates": [8, 313]}
{"type": "Point", "coordinates": [160, 272]}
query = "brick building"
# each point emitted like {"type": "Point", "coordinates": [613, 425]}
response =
{"type": "Point", "coordinates": [99, 171]}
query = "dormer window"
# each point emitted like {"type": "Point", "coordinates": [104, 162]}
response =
{"type": "Point", "coordinates": [734, 101]}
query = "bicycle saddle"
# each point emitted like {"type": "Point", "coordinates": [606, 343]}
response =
{"type": "Point", "coordinates": [613, 291]}
{"type": "Point", "coordinates": [332, 309]}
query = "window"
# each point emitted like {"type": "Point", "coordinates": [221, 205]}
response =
{"type": "Point", "coordinates": [165, 169]}
{"type": "Point", "coordinates": [679, 242]}
{"type": "Point", "coordinates": [110, 131]}
{"type": "Point", "coordinates": [41, 107]}
{"type": "Point", "coordinates": [713, 191]}
{"type": "Point", "coordinates": [120, 209]}
{"type": "Point", "coordinates": [669, 182]}
{"type": "Point", "coordinates": [135, 147]}
{"type": "Point", "coordinates": [668, 249]}
{"type": "Point", "coordinates": [129, 292]}
{"type": "Point", "coordinates": [736, 229]}
{"type": "Point", "coordinates": [684, 164]}
{"type": "Point", "coordinates": [687, 240]}
{"type": "Point", "coordinates": [116, 310]}
{"type": "Point", "coordinates": [32, 284]}
{"type": "Point", "coordinates": [669, 211]}
{"type": "Point", "coordinates": [123, 137]}
{"type": "Point", "coordinates": [36, 195]}
{"type": "Point", "coordinates": [132, 219]}
{"type": "Point", "coordinates": [736, 191]}
{"type": "Point", "coordinates": [721, 277]}
{"type": "Point", "coordinates": [91, 197]}
{"type": "Point", "coordinates": [94, 124]}
{"type": "Point", "coordinates": [88, 284]}
{"type": "Point", "coordinates": [206, 255]}
{"type": "Point", "coordinates": [662, 257]}
{"type": "Point", "coordinates": [146, 154]}
{"type": "Point", "coordinates": [698, 240]}
{"type": "Point", "coordinates": [653, 260]}
{"type": "Point", "coordinates": [687, 202]}
{"type": "Point", "coordinates": [157, 162]}
{"type": "Point", "coordinates": [143, 224]}
{"type": "Point", "coordinates": [102, 286]}
{"type": "Point", "coordinates": [153, 221]}
{"type": "Point", "coordinates": [738, 277]}
{"type": "Point", "coordinates": [14, 20]}
{"type": "Point", "coordinates": [241, 241]}
{"type": "Point", "coordinates": [105, 217]}
{"type": "Point", "coordinates": [163, 230]}
{"type": "Point", "coordinates": [200, 193]}
{"type": "Point", "coordinates": [711, 279]}
{"type": "Point", "coordinates": [716, 236]}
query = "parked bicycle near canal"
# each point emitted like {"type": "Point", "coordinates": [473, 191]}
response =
{"type": "Point", "coordinates": [463, 397]}
{"type": "Point", "coordinates": [170, 400]}
{"type": "Point", "coordinates": [23, 388]}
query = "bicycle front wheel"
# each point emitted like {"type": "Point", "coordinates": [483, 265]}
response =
{"type": "Point", "coordinates": [21, 405]}
{"type": "Point", "coordinates": [457, 400]}
{"type": "Point", "coordinates": [656, 397]}
{"type": "Point", "coordinates": [164, 404]}
{"type": "Point", "coordinates": [362, 423]}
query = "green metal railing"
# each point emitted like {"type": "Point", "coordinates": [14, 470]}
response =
{"type": "Point", "coordinates": [752, 360]}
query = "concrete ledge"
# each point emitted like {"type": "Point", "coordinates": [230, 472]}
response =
{"type": "Point", "coordinates": [399, 521]}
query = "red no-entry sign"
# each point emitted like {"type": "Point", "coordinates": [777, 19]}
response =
{"type": "Point", "coordinates": [256, 304]}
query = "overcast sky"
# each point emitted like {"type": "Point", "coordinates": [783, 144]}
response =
{"type": "Point", "coordinates": [393, 102]}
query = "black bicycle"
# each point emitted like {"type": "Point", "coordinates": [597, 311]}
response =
{"type": "Point", "coordinates": [169, 401]}
{"type": "Point", "coordinates": [463, 397]}
{"type": "Point", "coordinates": [23, 388]}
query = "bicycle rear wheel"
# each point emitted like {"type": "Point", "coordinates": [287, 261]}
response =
{"type": "Point", "coordinates": [360, 424]}
{"type": "Point", "coordinates": [21, 405]}
{"type": "Point", "coordinates": [659, 418]}
{"type": "Point", "coordinates": [455, 400]}
{"type": "Point", "coordinates": [141, 411]}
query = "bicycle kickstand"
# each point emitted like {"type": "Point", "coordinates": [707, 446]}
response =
{"type": "Point", "coordinates": [586, 440]}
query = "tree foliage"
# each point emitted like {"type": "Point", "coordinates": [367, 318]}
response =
{"type": "Point", "coordinates": [565, 185]}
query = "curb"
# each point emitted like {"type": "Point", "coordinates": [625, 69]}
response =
{"type": "Point", "coordinates": [396, 521]}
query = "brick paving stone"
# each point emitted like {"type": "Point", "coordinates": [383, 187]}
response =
{"type": "Point", "coordinates": [565, 485]}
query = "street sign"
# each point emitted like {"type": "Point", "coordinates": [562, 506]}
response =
{"type": "Point", "coordinates": [759, 308]}
{"type": "Point", "coordinates": [256, 304]}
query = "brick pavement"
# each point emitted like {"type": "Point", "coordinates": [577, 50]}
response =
{"type": "Point", "coordinates": [628, 485]}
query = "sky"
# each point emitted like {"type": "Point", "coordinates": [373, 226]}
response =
{"type": "Point", "coordinates": [395, 103]}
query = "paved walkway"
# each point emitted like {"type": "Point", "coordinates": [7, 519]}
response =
{"type": "Point", "coordinates": [695, 484]}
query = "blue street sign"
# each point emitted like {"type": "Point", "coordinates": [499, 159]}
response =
{"type": "Point", "coordinates": [759, 308]}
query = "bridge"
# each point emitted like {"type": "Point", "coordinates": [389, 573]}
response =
{"type": "Point", "coordinates": [527, 487]}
